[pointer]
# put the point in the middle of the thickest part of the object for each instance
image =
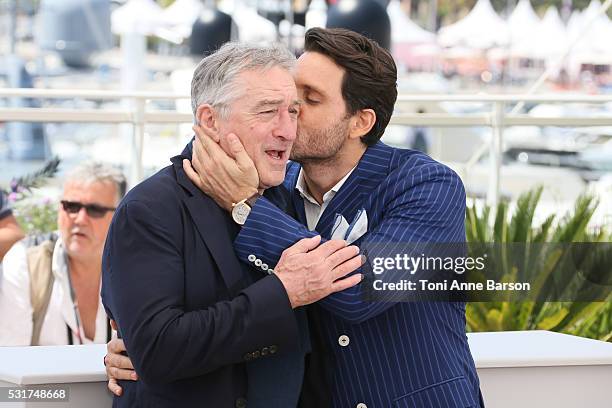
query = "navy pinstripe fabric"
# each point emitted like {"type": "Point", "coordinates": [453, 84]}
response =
{"type": "Point", "coordinates": [399, 354]}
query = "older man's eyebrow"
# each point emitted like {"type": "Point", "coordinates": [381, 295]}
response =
{"type": "Point", "coordinates": [268, 102]}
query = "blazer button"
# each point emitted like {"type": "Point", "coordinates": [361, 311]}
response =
{"type": "Point", "coordinates": [344, 341]}
{"type": "Point", "coordinates": [248, 357]}
{"type": "Point", "coordinates": [241, 403]}
{"type": "Point", "coordinates": [273, 349]}
{"type": "Point", "coordinates": [251, 258]}
{"type": "Point", "coordinates": [256, 354]}
{"type": "Point", "coordinates": [258, 262]}
{"type": "Point", "coordinates": [264, 266]}
{"type": "Point", "coordinates": [362, 405]}
{"type": "Point", "coordinates": [265, 351]}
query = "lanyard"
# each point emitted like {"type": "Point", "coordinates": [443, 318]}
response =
{"type": "Point", "coordinates": [71, 338]}
{"type": "Point", "coordinates": [77, 317]}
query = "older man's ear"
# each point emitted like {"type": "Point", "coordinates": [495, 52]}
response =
{"type": "Point", "coordinates": [207, 118]}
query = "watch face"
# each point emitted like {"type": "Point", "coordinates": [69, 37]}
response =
{"type": "Point", "coordinates": [240, 213]}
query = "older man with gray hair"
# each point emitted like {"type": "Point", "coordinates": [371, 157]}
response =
{"type": "Point", "coordinates": [50, 289]}
{"type": "Point", "coordinates": [201, 328]}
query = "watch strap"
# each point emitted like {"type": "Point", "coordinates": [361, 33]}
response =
{"type": "Point", "coordinates": [252, 199]}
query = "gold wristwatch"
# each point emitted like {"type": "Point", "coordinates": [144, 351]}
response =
{"type": "Point", "coordinates": [242, 209]}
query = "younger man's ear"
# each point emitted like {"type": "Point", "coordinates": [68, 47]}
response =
{"type": "Point", "coordinates": [361, 123]}
{"type": "Point", "coordinates": [207, 117]}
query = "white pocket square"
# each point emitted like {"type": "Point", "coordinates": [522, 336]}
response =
{"type": "Point", "coordinates": [353, 231]}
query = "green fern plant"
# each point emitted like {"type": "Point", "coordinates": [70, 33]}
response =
{"type": "Point", "coordinates": [551, 279]}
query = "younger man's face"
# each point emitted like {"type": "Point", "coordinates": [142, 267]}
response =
{"type": "Point", "coordinates": [323, 123]}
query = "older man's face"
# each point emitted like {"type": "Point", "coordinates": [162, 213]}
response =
{"type": "Point", "coordinates": [83, 235]}
{"type": "Point", "coordinates": [265, 120]}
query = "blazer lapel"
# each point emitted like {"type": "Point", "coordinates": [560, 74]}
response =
{"type": "Point", "coordinates": [293, 171]}
{"type": "Point", "coordinates": [298, 206]}
{"type": "Point", "coordinates": [210, 222]}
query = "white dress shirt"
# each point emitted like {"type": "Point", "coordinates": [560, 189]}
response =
{"type": "Point", "coordinates": [312, 208]}
{"type": "Point", "coordinates": [16, 309]}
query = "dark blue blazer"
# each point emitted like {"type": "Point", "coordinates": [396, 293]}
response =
{"type": "Point", "coordinates": [397, 354]}
{"type": "Point", "coordinates": [189, 312]}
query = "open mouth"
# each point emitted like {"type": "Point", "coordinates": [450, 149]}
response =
{"type": "Point", "coordinates": [276, 154]}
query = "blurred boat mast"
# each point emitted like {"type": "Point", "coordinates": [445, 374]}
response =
{"type": "Point", "coordinates": [12, 28]}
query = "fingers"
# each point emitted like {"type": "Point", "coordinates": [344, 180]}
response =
{"type": "Point", "coordinates": [342, 255]}
{"type": "Point", "coordinates": [119, 361]}
{"type": "Point", "coordinates": [121, 374]}
{"type": "Point", "coordinates": [191, 173]}
{"type": "Point", "coordinates": [303, 245]}
{"type": "Point", "coordinates": [201, 150]}
{"type": "Point", "coordinates": [327, 248]}
{"type": "Point", "coordinates": [209, 145]}
{"type": "Point", "coordinates": [114, 387]}
{"type": "Point", "coordinates": [115, 346]}
{"type": "Point", "coordinates": [346, 283]}
{"type": "Point", "coordinates": [347, 267]}
{"type": "Point", "coordinates": [238, 153]}
{"type": "Point", "coordinates": [204, 131]}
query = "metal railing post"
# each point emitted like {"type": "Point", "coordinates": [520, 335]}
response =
{"type": "Point", "coordinates": [136, 166]}
{"type": "Point", "coordinates": [495, 157]}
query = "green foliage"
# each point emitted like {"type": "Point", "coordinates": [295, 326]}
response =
{"type": "Point", "coordinates": [39, 177]}
{"type": "Point", "coordinates": [165, 3]}
{"type": "Point", "coordinates": [36, 217]}
{"type": "Point", "coordinates": [552, 279]}
{"type": "Point", "coordinates": [21, 187]}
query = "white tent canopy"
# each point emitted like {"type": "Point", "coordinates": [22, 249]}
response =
{"type": "Point", "coordinates": [523, 25]}
{"type": "Point", "coordinates": [403, 29]}
{"type": "Point", "coordinates": [181, 15]}
{"type": "Point", "coordinates": [411, 45]}
{"type": "Point", "coordinates": [574, 24]}
{"type": "Point", "coordinates": [594, 30]}
{"type": "Point", "coordinates": [137, 16]}
{"type": "Point", "coordinates": [482, 28]}
{"type": "Point", "coordinates": [551, 40]}
{"type": "Point", "coordinates": [252, 27]}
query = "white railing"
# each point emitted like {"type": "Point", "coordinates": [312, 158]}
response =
{"type": "Point", "coordinates": [138, 116]}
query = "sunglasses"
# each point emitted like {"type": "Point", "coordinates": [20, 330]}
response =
{"type": "Point", "coordinates": [93, 210]}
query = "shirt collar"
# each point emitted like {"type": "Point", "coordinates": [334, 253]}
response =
{"type": "Point", "coordinates": [59, 261]}
{"type": "Point", "coordinates": [303, 188]}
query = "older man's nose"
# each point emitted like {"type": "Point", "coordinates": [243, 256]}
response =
{"type": "Point", "coordinates": [81, 216]}
{"type": "Point", "coordinates": [285, 126]}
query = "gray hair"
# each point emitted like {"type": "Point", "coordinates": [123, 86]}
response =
{"type": "Point", "coordinates": [91, 172]}
{"type": "Point", "coordinates": [214, 78]}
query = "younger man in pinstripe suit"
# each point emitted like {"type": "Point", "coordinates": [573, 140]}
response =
{"type": "Point", "coordinates": [372, 354]}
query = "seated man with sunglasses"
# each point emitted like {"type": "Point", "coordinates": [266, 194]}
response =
{"type": "Point", "coordinates": [50, 286]}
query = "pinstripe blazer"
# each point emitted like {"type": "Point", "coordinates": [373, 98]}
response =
{"type": "Point", "coordinates": [381, 354]}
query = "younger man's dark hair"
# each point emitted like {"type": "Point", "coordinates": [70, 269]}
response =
{"type": "Point", "coordinates": [370, 74]}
